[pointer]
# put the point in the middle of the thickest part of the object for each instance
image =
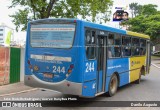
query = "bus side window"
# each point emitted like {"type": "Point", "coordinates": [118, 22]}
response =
{"type": "Point", "coordinates": [90, 43]}
{"type": "Point", "coordinates": [111, 39]}
{"type": "Point", "coordinates": [126, 46]}
{"type": "Point", "coordinates": [93, 37]}
{"type": "Point", "coordinates": [142, 51]}
{"type": "Point", "coordinates": [126, 41]}
{"type": "Point", "coordinates": [117, 40]}
{"type": "Point", "coordinates": [142, 46]}
{"type": "Point", "coordinates": [135, 47]}
{"type": "Point", "coordinates": [90, 52]}
{"type": "Point", "coordinates": [110, 47]}
{"type": "Point", "coordinates": [135, 51]}
{"type": "Point", "coordinates": [111, 52]}
{"type": "Point", "coordinates": [117, 51]}
{"type": "Point", "coordinates": [88, 36]}
{"type": "Point", "coordinates": [142, 43]}
{"type": "Point", "coordinates": [114, 46]}
{"type": "Point", "coordinates": [126, 51]}
{"type": "Point", "coordinates": [135, 42]}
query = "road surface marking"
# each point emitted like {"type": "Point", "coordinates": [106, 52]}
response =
{"type": "Point", "coordinates": [24, 91]}
{"type": "Point", "coordinates": [155, 65]}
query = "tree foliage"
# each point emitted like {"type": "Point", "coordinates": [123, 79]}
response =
{"type": "Point", "coordinates": [148, 25]}
{"type": "Point", "coordinates": [149, 9]}
{"type": "Point", "coordinates": [147, 21]}
{"type": "Point", "coordinates": [39, 9]}
{"type": "Point", "coordinates": [136, 9]}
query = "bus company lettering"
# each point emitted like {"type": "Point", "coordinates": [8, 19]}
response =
{"type": "Point", "coordinates": [135, 62]}
{"type": "Point", "coordinates": [53, 61]}
{"type": "Point", "coordinates": [46, 58]}
{"type": "Point", "coordinates": [117, 66]}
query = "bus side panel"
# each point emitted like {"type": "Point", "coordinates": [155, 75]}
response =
{"type": "Point", "coordinates": [120, 66]}
{"type": "Point", "coordinates": [136, 64]}
{"type": "Point", "coordinates": [89, 68]}
{"type": "Point", "coordinates": [89, 85]}
{"type": "Point", "coordinates": [124, 78]}
{"type": "Point", "coordinates": [107, 83]}
{"type": "Point", "coordinates": [77, 76]}
{"type": "Point", "coordinates": [89, 88]}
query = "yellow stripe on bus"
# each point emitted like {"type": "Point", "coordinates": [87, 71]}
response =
{"type": "Point", "coordinates": [137, 34]}
{"type": "Point", "coordinates": [136, 64]}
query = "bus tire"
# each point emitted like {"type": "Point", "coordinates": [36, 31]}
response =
{"type": "Point", "coordinates": [113, 85]}
{"type": "Point", "coordinates": [139, 79]}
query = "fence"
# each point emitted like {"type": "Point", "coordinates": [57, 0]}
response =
{"type": "Point", "coordinates": [15, 55]}
{"type": "Point", "coordinates": [4, 65]}
{"type": "Point", "coordinates": [11, 65]}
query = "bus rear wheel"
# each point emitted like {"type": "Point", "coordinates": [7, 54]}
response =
{"type": "Point", "coordinates": [113, 85]}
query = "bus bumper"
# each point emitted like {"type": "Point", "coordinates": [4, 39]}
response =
{"type": "Point", "coordinates": [66, 87]}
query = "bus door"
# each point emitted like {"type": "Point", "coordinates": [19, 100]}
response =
{"type": "Point", "coordinates": [101, 63]}
{"type": "Point", "coordinates": [148, 57]}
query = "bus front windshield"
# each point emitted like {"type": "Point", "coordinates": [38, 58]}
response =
{"type": "Point", "coordinates": [52, 35]}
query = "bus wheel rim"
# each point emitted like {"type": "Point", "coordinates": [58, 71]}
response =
{"type": "Point", "coordinates": [113, 85]}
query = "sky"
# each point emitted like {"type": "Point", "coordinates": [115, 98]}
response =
{"type": "Point", "coordinates": [5, 12]}
{"type": "Point", "coordinates": [141, 2]}
{"type": "Point", "coordinates": [5, 19]}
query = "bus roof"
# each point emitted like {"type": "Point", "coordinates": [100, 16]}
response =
{"type": "Point", "coordinates": [137, 34]}
{"type": "Point", "coordinates": [113, 29]}
{"type": "Point", "coordinates": [109, 28]}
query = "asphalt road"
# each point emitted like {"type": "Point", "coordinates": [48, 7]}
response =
{"type": "Point", "coordinates": [147, 90]}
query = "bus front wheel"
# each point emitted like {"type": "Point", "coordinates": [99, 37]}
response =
{"type": "Point", "coordinates": [113, 85]}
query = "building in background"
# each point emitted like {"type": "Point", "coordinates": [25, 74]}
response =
{"type": "Point", "coordinates": [6, 35]}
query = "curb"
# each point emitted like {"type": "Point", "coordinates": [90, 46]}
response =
{"type": "Point", "coordinates": [24, 91]}
{"type": "Point", "coordinates": [155, 65]}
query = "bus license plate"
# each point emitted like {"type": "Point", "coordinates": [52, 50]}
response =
{"type": "Point", "coordinates": [48, 75]}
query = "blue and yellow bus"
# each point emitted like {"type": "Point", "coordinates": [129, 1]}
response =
{"type": "Point", "coordinates": [83, 58]}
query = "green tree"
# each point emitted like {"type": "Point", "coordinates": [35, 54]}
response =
{"type": "Point", "coordinates": [139, 10]}
{"type": "Point", "coordinates": [149, 9]}
{"type": "Point", "coordinates": [135, 9]}
{"type": "Point", "coordinates": [148, 25]}
{"type": "Point", "coordinates": [147, 21]}
{"type": "Point", "coordinates": [39, 9]}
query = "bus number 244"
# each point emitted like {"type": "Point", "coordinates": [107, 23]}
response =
{"type": "Point", "coordinates": [58, 69]}
{"type": "Point", "coordinates": [89, 67]}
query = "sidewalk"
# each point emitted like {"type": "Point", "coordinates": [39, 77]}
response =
{"type": "Point", "coordinates": [15, 88]}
